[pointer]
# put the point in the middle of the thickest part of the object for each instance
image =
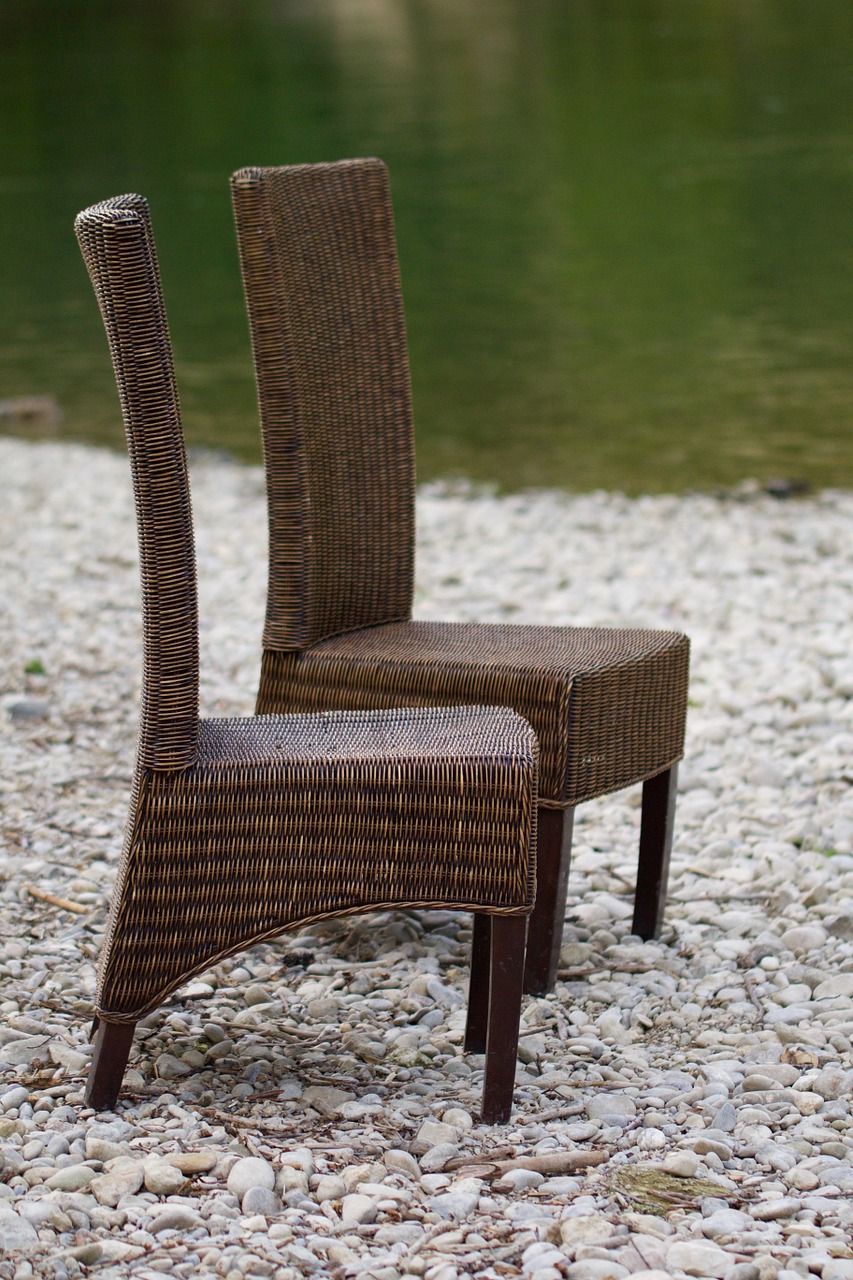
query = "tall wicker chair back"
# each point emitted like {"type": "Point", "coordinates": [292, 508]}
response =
{"type": "Point", "coordinates": [240, 829]}
{"type": "Point", "coordinates": [608, 705]}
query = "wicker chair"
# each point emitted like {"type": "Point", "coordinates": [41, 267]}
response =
{"type": "Point", "coordinates": [242, 828]}
{"type": "Point", "coordinates": [325, 309]}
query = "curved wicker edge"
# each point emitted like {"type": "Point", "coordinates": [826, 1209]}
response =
{"type": "Point", "coordinates": [257, 839]}
{"type": "Point", "coordinates": [112, 1015]}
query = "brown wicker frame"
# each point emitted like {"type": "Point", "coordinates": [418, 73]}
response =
{"type": "Point", "coordinates": [241, 829]}
{"type": "Point", "coordinates": [325, 310]}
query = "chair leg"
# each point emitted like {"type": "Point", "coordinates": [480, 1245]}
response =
{"type": "Point", "coordinates": [477, 1022]}
{"type": "Point", "coordinates": [655, 846]}
{"type": "Point", "coordinates": [112, 1049]}
{"type": "Point", "coordinates": [509, 935]}
{"type": "Point", "coordinates": [545, 936]}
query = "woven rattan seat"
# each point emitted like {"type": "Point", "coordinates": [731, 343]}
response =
{"type": "Point", "coordinates": [325, 309]}
{"type": "Point", "coordinates": [240, 829]}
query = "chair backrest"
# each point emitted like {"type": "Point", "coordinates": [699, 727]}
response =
{"type": "Point", "coordinates": [118, 248]}
{"type": "Point", "coordinates": [322, 286]}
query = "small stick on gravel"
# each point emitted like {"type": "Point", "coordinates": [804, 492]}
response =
{"type": "Point", "coordinates": [553, 1162]}
{"type": "Point", "coordinates": [55, 901]}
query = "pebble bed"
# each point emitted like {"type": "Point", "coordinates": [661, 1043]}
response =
{"type": "Point", "coordinates": [683, 1107]}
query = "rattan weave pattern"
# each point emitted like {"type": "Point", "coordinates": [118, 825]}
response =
{"type": "Point", "coordinates": [325, 312]}
{"type": "Point", "coordinates": [241, 829]}
{"type": "Point", "coordinates": [285, 820]}
{"type": "Point", "coordinates": [607, 704]}
{"type": "Point", "coordinates": [333, 382]}
{"type": "Point", "coordinates": [119, 253]}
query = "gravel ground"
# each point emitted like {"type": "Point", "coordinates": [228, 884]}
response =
{"type": "Point", "coordinates": [682, 1107]}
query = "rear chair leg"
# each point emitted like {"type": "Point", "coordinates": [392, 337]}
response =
{"type": "Point", "coordinates": [112, 1049]}
{"type": "Point", "coordinates": [655, 846]}
{"type": "Point", "coordinates": [509, 934]}
{"type": "Point", "coordinates": [545, 937]}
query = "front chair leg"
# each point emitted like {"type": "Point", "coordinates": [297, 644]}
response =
{"type": "Point", "coordinates": [112, 1049]}
{"type": "Point", "coordinates": [545, 936]}
{"type": "Point", "coordinates": [509, 934]}
{"type": "Point", "coordinates": [656, 825]}
{"type": "Point", "coordinates": [477, 1022]}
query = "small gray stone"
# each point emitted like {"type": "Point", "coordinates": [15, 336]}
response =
{"type": "Point", "coordinates": [531, 1048]}
{"type": "Point", "coordinates": [837, 1269]}
{"type": "Point", "coordinates": [14, 1097]}
{"type": "Point", "coordinates": [456, 1205]}
{"type": "Point", "coordinates": [256, 994]}
{"type": "Point", "coordinates": [681, 1164]}
{"type": "Point", "coordinates": [832, 1082]}
{"type": "Point", "coordinates": [75, 1177]}
{"type": "Point", "coordinates": [726, 1222]}
{"type": "Point", "coordinates": [65, 1056]}
{"type": "Point", "coordinates": [447, 997]}
{"type": "Point", "coordinates": [102, 1149]}
{"type": "Point", "coordinates": [330, 1187]}
{"type": "Point", "coordinates": [602, 1105]}
{"type": "Point", "coordinates": [704, 1146]}
{"type": "Point", "coordinates": [168, 1067]}
{"type": "Point", "coordinates": [803, 938]}
{"type": "Point", "coordinates": [775, 1210]}
{"type": "Point", "coordinates": [250, 1172]}
{"type": "Point", "coordinates": [88, 1254]}
{"type": "Point", "coordinates": [193, 1163]}
{"type": "Point", "coordinates": [841, 926]}
{"type": "Point", "coordinates": [260, 1200]}
{"type": "Point", "coordinates": [840, 984]}
{"type": "Point", "coordinates": [402, 1162]}
{"type": "Point", "coordinates": [541, 1256]}
{"type": "Point", "coordinates": [758, 1082]}
{"type": "Point", "coordinates": [323, 1009]}
{"type": "Point", "coordinates": [326, 1100]}
{"type": "Point", "coordinates": [560, 1187]}
{"type": "Point", "coordinates": [174, 1217]}
{"type": "Point", "coordinates": [586, 1228]}
{"type": "Point", "coordinates": [23, 1052]}
{"type": "Point", "coordinates": [25, 709]}
{"type": "Point", "coordinates": [123, 1177]}
{"type": "Point", "coordinates": [438, 1157]}
{"type": "Point", "coordinates": [44, 1213]}
{"type": "Point", "coordinates": [596, 1269]}
{"type": "Point", "coordinates": [726, 1118]}
{"type": "Point", "coordinates": [520, 1179]}
{"type": "Point", "coordinates": [431, 1134]}
{"type": "Point", "coordinates": [357, 1209]}
{"type": "Point", "coordinates": [162, 1178]}
{"type": "Point", "coordinates": [15, 1233]}
{"type": "Point", "coordinates": [698, 1259]}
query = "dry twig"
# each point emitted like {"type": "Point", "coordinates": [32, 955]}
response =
{"type": "Point", "coordinates": [55, 901]}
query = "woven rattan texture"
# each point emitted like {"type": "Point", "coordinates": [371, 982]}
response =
{"type": "Point", "coordinates": [320, 267]}
{"type": "Point", "coordinates": [285, 820]}
{"type": "Point", "coordinates": [118, 249]}
{"type": "Point", "coordinates": [240, 829]}
{"type": "Point", "coordinates": [607, 704]}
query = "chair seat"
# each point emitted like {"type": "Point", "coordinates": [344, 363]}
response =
{"type": "Point", "coordinates": [284, 820]}
{"type": "Point", "coordinates": [606, 704]}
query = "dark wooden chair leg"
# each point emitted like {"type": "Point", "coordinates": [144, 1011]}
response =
{"type": "Point", "coordinates": [477, 1022]}
{"type": "Point", "coordinates": [545, 936]}
{"type": "Point", "coordinates": [112, 1049]}
{"type": "Point", "coordinates": [509, 934]}
{"type": "Point", "coordinates": [655, 846]}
